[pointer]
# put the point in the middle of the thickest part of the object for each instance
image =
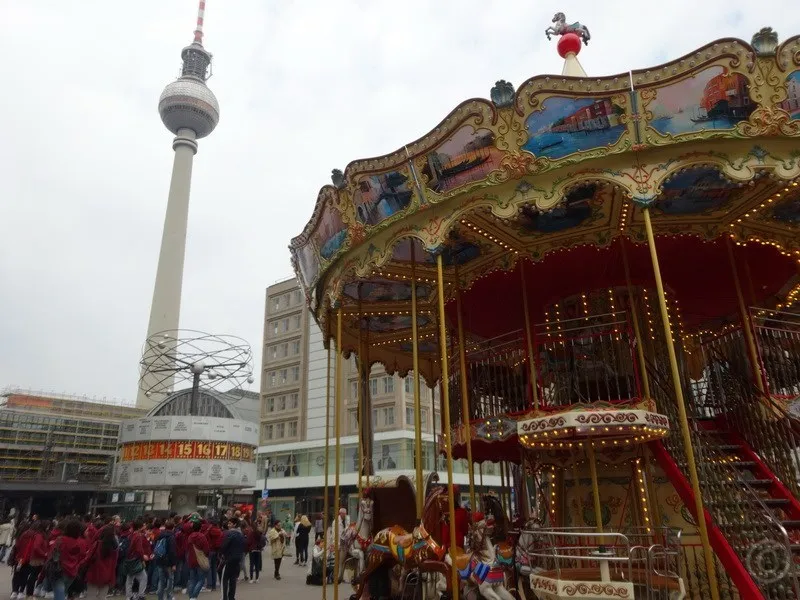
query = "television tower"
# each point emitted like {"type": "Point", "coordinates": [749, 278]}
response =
{"type": "Point", "coordinates": [189, 110]}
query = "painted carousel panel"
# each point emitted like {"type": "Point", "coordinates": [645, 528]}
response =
{"type": "Point", "coordinates": [792, 102]}
{"type": "Point", "coordinates": [695, 191]}
{"type": "Point", "coordinates": [568, 125]}
{"type": "Point", "coordinates": [389, 323]}
{"type": "Point", "coordinates": [308, 264]}
{"type": "Point", "coordinates": [330, 233]}
{"type": "Point", "coordinates": [787, 210]}
{"type": "Point", "coordinates": [469, 155]}
{"type": "Point", "coordinates": [575, 209]}
{"type": "Point", "coordinates": [384, 290]}
{"type": "Point", "coordinates": [714, 98]}
{"type": "Point", "coordinates": [379, 197]}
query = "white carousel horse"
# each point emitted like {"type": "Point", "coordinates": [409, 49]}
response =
{"type": "Point", "coordinates": [479, 568]}
{"type": "Point", "coordinates": [358, 537]}
{"type": "Point", "coordinates": [561, 27]}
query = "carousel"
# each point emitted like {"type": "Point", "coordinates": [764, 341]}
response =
{"type": "Point", "coordinates": [600, 276]}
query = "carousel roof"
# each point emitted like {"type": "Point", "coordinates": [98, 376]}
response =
{"type": "Point", "coordinates": [557, 173]}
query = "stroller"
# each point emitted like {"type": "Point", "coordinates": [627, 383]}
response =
{"type": "Point", "coordinates": [315, 575]}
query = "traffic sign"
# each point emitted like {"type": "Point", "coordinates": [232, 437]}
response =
{"type": "Point", "coordinates": [264, 494]}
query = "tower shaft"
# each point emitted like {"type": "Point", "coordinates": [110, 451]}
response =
{"type": "Point", "coordinates": [166, 307]}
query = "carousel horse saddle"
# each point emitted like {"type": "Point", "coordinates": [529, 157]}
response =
{"type": "Point", "coordinates": [462, 559]}
{"type": "Point", "coordinates": [401, 538]}
{"type": "Point", "coordinates": [505, 553]}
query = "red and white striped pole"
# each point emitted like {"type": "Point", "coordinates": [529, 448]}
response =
{"type": "Point", "coordinates": [198, 32]}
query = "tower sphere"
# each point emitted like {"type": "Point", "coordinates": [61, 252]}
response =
{"type": "Point", "coordinates": [187, 103]}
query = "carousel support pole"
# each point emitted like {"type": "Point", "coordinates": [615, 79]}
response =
{"type": "Point", "coordinates": [681, 404]}
{"type": "Point", "coordinates": [337, 400]}
{"type": "Point", "coordinates": [651, 489]}
{"type": "Point", "coordinates": [598, 511]}
{"type": "Point", "coordinates": [417, 401]}
{"type": "Point", "coordinates": [529, 338]}
{"type": "Point", "coordinates": [746, 323]}
{"type": "Point", "coordinates": [448, 440]}
{"type": "Point", "coordinates": [524, 500]}
{"type": "Point", "coordinates": [462, 359]}
{"type": "Point", "coordinates": [361, 356]}
{"type": "Point", "coordinates": [325, 507]}
{"type": "Point", "coordinates": [637, 332]}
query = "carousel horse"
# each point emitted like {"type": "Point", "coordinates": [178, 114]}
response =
{"type": "Point", "coordinates": [479, 568]}
{"type": "Point", "coordinates": [410, 550]}
{"type": "Point", "coordinates": [358, 537]}
{"type": "Point", "coordinates": [561, 28]}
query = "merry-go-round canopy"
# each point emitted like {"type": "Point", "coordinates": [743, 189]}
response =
{"type": "Point", "coordinates": [546, 185]}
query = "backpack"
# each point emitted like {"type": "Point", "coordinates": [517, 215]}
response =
{"type": "Point", "coordinates": [52, 568]}
{"type": "Point", "coordinates": [161, 549]}
{"type": "Point", "coordinates": [124, 546]}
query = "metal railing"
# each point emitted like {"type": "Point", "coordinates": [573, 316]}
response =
{"type": "Point", "coordinates": [737, 510]}
{"type": "Point", "coordinates": [645, 557]}
{"type": "Point", "coordinates": [586, 359]}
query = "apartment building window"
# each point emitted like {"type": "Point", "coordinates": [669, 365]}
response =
{"type": "Point", "coordinates": [270, 404]}
{"type": "Point", "coordinates": [284, 349]}
{"type": "Point", "coordinates": [296, 319]}
{"type": "Point", "coordinates": [284, 376]}
{"type": "Point", "coordinates": [388, 416]}
{"type": "Point", "coordinates": [273, 378]}
{"type": "Point", "coordinates": [354, 390]}
{"type": "Point", "coordinates": [352, 421]}
{"type": "Point", "coordinates": [374, 418]}
{"type": "Point", "coordinates": [423, 417]}
{"type": "Point", "coordinates": [268, 432]}
{"type": "Point", "coordinates": [273, 352]}
{"type": "Point", "coordinates": [276, 303]}
{"type": "Point", "coordinates": [292, 428]}
{"type": "Point", "coordinates": [295, 347]}
{"type": "Point", "coordinates": [274, 326]}
{"type": "Point", "coordinates": [408, 383]}
{"type": "Point", "coordinates": [280, 430]}
{"type": "Point", "coordinates": [296, 373]}
{"type": "Point", "coordinates": [281, 402]}
{"type": "Point", "coordinates": [388, 385]}
{"type": "Point", "coordinates": [294, 400]}
{"type": "Point", "coordinates": [285, 324]}
{"type": "Point", "coordinates": [373, 386]}
{"type": "Point", "coordinates": [298, 296]}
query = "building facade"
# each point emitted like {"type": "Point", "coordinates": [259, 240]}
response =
{"type": "Point", "coordinates": [292, 454]}
{"type": "Point", "coordinates": [57, 452]}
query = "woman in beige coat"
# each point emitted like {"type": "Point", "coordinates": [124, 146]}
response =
{"type": "Point", "coordinates": [277, 544]}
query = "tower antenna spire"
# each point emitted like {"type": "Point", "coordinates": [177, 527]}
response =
{"type": "Point", "coordinates": [198, 32]}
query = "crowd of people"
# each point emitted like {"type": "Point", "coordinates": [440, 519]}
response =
{"type": "Point", "coordinates": [101, 557]}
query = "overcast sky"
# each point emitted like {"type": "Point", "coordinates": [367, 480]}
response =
{"type": "Point", "coordinates": [303, 85]}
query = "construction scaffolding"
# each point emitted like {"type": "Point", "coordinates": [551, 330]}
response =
{"type": "Point", "coordinates": [51, 438]}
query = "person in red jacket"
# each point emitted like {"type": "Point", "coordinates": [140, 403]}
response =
{"type": "Point", "coordinates": [462, 523]}
{"type": "Point", "coordinates": [214, 535]}
{"type": "Point", "coordinates": [31, 552]}
{"type": "Point", "coordinates": [138, 552]}
{"type": "Point", "coordinates": [197, 542]}
{"type": "Point", "coordinates": [70, 550]}
{"type": "Point", "coordinates": [100, 563]}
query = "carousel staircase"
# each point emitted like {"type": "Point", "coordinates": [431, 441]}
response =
{"type": "Point", "coordinates": [750, 496]}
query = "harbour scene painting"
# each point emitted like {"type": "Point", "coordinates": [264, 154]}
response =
{"type": "Point", "coordinates": [379, 197]}
{"type": "Point", "coordinates": [712, 99]}
{"type": "Point", "coordinates": [792, 102]}
{"type": "Point", "coordinates": [330, 232]}
{"type": "Point", "coordinates": [466, 157]}
{"type": "Point", "coordinates": [568, 125]}
{"type": "Point", "coordinates": [308, 263]}
{"type": "Point", "coordinates": [574, 210]}
{"type": "Point", "coordinates": [402, 251]}
{"type": "Point", "coordinates": [788, 209]}
{"type": "Point", "coordinates": [384, 290]}
{"type": "Point", "coordinates": [458, 250]}
{"type": "Point", "coordinates": [695, 191]}
{"type": "Point", "coordinates": [387, 323]}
